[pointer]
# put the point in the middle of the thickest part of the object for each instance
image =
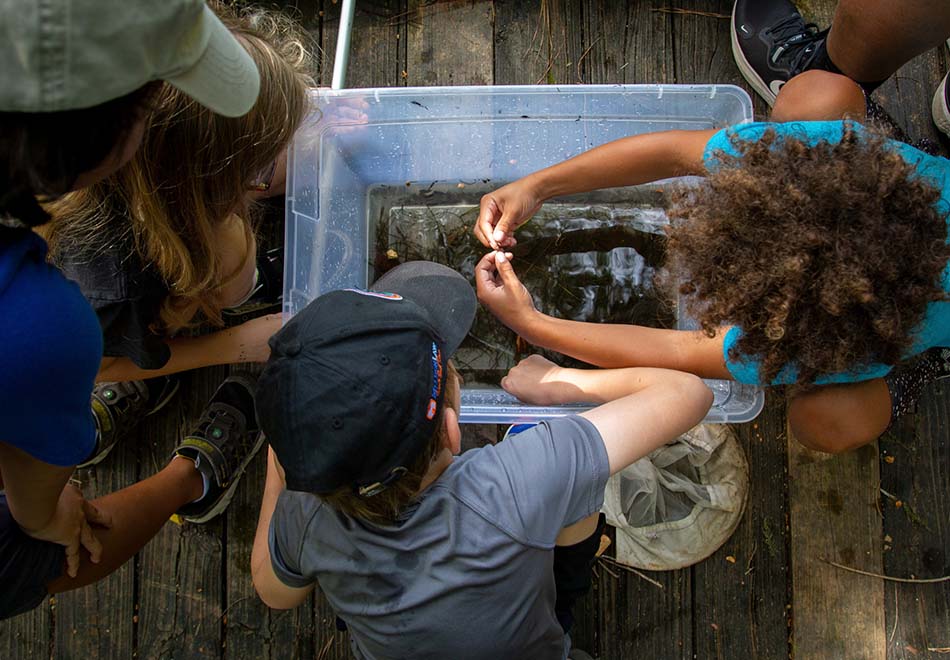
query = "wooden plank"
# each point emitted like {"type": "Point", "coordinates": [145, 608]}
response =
{"type": "Point", "coordinates": [915, 471]}
{"type": "Point", "coordinates": [377, 43]}
{"type": "Point", "coordinates": [627, 43]}
{"type": "Point", "coordinates": [96, 621]}
{"type": "Point", "coordinates": [833, 504]}
{"type": "Point", "coordinates": [254, 630]}
{"type": "Point", "coordinates": [330, 643]}
{"type": "Point", "coordinates": [180, 571]}
{"type": "Point", "coordinates": [907, 95]}
{"type": "Point", "coordinates": [915, 457]}
{"type": "Point", "coordinates": [536, 42]}
{"type": "Point", "coordinates": [741, 606]}
{"type": "Point", "coordinates": [329, 13]}
{"type": "Point", "coordinates": [28, 636]}
{"type": "Point", "coordinates": [638, 619]}
{"type": "Point", "coordinates": [466, 25]}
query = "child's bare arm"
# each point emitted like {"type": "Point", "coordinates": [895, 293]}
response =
{"type": "Point", "coordinates": [625, 162]}
{"type": "Point", "coordinates": [641, 409]}
{"type": "Point", "coordinates": [601, 344]}
{"type": "Point", "coordinates": [244, 343]}
{"type": "Point", "coordinates": [272, 591]}
{"type": "Point", "coordinates": [48, 508]}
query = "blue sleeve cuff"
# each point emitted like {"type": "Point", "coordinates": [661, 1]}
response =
{"type": "Point", "coordinates": [746, 370]}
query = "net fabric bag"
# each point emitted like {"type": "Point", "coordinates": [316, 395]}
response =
{"type": "Point", "coordinates": [679, 504]}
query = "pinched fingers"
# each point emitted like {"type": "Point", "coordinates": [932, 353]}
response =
{"type": "Point", "coordinates": [485, 281]}
{"type": "Point", "coordinates": [488, 216]}
{"type": "Point", "coordinates": [505, 270]}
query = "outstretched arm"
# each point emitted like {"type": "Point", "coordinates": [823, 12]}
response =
{"type": "Point", "coordinates": [243, 343]}
{"type": "Point", "coordinates": [601, 344]}
{"type": "Point", "coordinates": [48, 508]}
{"type": "Point", "coordinates": [625, 162]}
{"type": "Point", "coordinates": [641, 408]}
{"type": "Point", "coordinates": [269, 587]}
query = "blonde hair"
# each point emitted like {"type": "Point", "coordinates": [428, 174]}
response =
{"type": "Point", "coordinates": [383, 508]}
{"type": "Point", "coordinates": [192, 172]}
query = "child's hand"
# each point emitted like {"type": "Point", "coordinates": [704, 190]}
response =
{"type": "Point", "coordinates": [503, 211]}
{"type": "Point", "coordinates": [500, 290]}
{"type": "Point", "coordinates": [539, 381]}
{"type": "Point", "coordinates": [71, 526]}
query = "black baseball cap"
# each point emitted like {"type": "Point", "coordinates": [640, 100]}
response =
{"type": "Point", "coordinates": [354, 386]}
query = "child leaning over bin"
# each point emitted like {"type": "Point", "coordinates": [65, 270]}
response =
{"type": "Point", "coordinates": [167, 243]}
{"type": "Point", "coordinates": [813, 254]}
{"type": "Point", "coordinates": [77, 81]}
{"type": "Point", "coordinates": [423, 554]}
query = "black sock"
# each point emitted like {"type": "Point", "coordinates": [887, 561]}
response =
{"type": "Point", "coordinates": [821, 59]}
{"type": "Point", "coordinates": [905, 383]}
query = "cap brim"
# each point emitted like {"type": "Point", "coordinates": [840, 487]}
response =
{"type": "Point", "coordinates": [446, 296]}
{"type": "Point", "coordinates": [225, 78]}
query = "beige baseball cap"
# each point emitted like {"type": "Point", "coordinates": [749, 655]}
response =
{"type": "Point", "coordinates": [70, 54]}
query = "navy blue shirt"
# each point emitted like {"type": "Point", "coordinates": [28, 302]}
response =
{"type": "Point", "coordinates": [50, 351]}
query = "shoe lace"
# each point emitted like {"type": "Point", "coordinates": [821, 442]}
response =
{"type": "Point", "coordinates": [793, 36]}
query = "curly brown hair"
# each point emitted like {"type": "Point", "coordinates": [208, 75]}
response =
{"type": "Point", "coordinates": [826, 255]}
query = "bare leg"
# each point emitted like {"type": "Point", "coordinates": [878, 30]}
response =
{"type": "Point", "coordinates": [138, 512]}
{"type": "Point", "coordinates": [819, 95]}
{"type": "Point", "coordinates": [836, 418]}
{"type": "Point", "coordinates": [871, 39]}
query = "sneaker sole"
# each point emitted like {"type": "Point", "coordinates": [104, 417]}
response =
{"type": "Point", "coordinates": [228, 494]}
{"type": "Point", "coordinates": [939, 110]}
{"type": "Point", "coordinates": [745, 68]}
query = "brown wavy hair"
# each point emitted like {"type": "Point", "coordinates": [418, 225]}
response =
{"type": "Point", "coordinates": [826, 256]}
{"type": "Point", "coordinates": [192, 173]}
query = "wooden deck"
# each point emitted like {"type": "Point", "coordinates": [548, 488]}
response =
{"type": "Point", "coordinates": [768, 593]}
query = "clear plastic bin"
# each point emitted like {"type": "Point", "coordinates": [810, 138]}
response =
{"type": "Point", "coordinates": [358, 140]}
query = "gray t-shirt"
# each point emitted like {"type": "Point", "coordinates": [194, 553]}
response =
{"type": "Point", "coordinates": [467, 571]}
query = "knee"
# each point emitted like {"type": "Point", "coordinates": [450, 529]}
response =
{"type": "Point", "coordinates": [819, 95]}
{"type": "Point", "coordinates": [818, 428]}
